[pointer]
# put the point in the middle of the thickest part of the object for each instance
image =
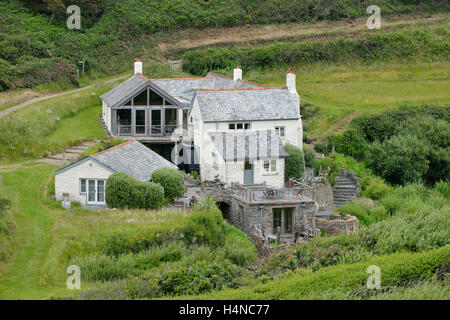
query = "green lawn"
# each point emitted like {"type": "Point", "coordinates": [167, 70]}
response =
{"type": "Point", "coordinates": [85, 124]}
{"type": "Point", "coordinates": [25, 188]}
{"type": "Point", "coordinates": [344, 91]}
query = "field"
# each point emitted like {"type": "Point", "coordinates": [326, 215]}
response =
{"type": "Point", "coordinates": [342, 91]}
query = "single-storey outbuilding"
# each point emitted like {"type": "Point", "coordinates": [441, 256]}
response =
{"type": "Point", "coordinates": [85, 180]}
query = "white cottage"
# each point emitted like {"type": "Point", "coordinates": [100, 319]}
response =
{"type": "Point", "coordinates": [85, 180]}
{"type": "Point", "coordinates": [193, 110]}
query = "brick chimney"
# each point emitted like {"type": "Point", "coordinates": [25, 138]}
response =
{"type": "Point", "coordinates": [138, 66]}
{"type": "Point", "coordinates": [237, 75]}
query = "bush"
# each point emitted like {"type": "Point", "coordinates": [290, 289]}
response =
{"type": "Point", "coordinates": [294, 163]}
{"type": "Point", "coordinates": [353, 143]}
{"type": "Point", "coordinates": [400, 160]}
{"type": "Point", "coordinates": [205, 227]}
{"type": "Point", "coordinates": [199, 278]}
{"type": "Point", "coordinates": [124, 192]}
{"type": "Point", "coordinates": [310, 157]}
{"type": "Point", "coordinates": [329, 166]}
{"type": "Point", "coordinates": [443, 188]}
{"type": "Point", "coordinates": [365, 213]}
{"type": "Point", "coordinates": [322, 147]}
{"type": "Point", "coordinates": [374, 187]}
{"type": "Point", "coordinates": [171, 180]}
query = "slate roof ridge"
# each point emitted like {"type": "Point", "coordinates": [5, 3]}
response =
{"type": "Point", "coordinates": [112, 148]}
{"type": "Point", "coordinates": [223, 76]}
{"type": "Point", "coordinates": [181, 78]}
{"type": "Point", "coordinates": [237, 89]}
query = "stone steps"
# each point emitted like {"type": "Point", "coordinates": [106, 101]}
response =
{"type": "Point", "coordinates": [105, 127]}
{"type": "Point", "coordinates": [344, 190]}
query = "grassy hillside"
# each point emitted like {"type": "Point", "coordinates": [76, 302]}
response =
{"type": "Point", "coordinates": [341, 91]}
{"type": "Point", "coordinates": [48, 126]}
{"type": "Point", "coordinates": [138, 253]}
{"type": "Point", "coordinates": [35, 51]}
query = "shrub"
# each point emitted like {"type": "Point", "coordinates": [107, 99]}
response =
{"type": "Point", "coordinates": [443, 188]}
{"type": "Point", "coordinates": [294, 163]}
{"type": "Point", "coordinates": [365, 213]}
{"type": "Point", "coordinates": [152, 195]}
{"type": "Point", "coordinates": [329, 166]}
{"type": "Point", "coordinates": [205, 227]}
{"type": "Point", "coordinates": [199, 278]}
{"type": "Point", "coordinates": [124, 192]}
{"type": "Point", "coordinates": [400, 160]}
{"type": "Point", "coordinates": [321, 147]}
{"type": "Point", "coordinates": [171, 180]}
{"type": "Point", "coordinates": [436, 134]}
{"type": "Point", "coordinates": [237, 248]}
{"type": "Point", "coordinates": [310, 157]}
{"type": "Point", "coordinates": [374, 187]}
{"type": "Point", "coordinates": [353, 143]}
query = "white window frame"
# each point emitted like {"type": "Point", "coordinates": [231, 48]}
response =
{"type": "Point", "coordinates": [85, 186]}
{"type": "Point", "coordinates": [279, 129]}
{"type": "Point", "coordinates": [270, 170]}
{"type": "Point", "coordinates": [96, 191]}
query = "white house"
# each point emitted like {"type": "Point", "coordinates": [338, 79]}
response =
{"type": "Point", "coordinates": [195, 111]}
{"type": "Point", "coordinates": [85, 180]}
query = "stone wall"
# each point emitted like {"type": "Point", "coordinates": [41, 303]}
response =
{"type": "Point", "coordinates": [335, 225]}
{"type": "Point", "coordinates": [247, 217]}
{"type": "Point", "coordinates": [322, 193]}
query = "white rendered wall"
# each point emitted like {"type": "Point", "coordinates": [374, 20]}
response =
{"type": "Point", "coordinates": [69, 180]}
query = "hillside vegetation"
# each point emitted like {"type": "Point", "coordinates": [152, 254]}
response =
{"type": "Point", "coordinates": [36, 47]}
{"type": "Point", "coordinates": [414, 44]}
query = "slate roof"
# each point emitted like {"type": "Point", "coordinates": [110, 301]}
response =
{"type": "Point", "coordinates": [248, 145]}
{"type": "Point", "coordinates": [131, 158]}
{"type": "Point", "coordinates": [127, 88]}
{"type": "Point", "coordinates": [181, 89]}
{"type": "Point", "coordinates": [246, 104]}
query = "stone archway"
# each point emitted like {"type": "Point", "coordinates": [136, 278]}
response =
{"type": "Point", "coordinates": [225, 208]}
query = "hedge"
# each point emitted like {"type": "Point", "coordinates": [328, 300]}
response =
{"type": "Point", "coordinates": [124, 192]}
{"type": "Point", "coordinates": [430, 44]}
{"type": "Point", "coordinates": [171, 180]}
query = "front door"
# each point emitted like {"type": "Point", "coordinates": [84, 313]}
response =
{"type": "Point", "coordinates": [248, 173]}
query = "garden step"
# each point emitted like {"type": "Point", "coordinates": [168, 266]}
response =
{"type": "Point", "coordinates": [72, 150]}
{"type": "Point", "coordinates": [81, 147]}
{"type": "Point", "coordinates": [343, 198]}
{"type": "Point", "coordinates": [349, 195]}
{"type": "Point", "coordinates": [345, 192]}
